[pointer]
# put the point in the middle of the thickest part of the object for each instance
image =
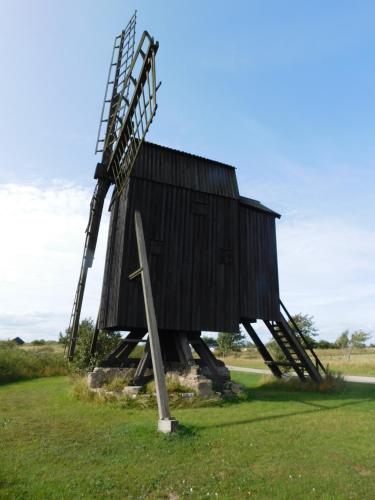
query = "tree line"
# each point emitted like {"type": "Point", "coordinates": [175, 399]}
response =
{"type": "Point", "coordinates": [227, 342]}
{"type": "Point", "coordinates": [224, 344]}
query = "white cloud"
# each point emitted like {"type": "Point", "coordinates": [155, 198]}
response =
{"type": "Point", "coordinates": [327, 269]}
{"type": "Point", "coordinates": [43, 235]}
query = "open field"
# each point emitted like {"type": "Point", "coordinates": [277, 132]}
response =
{"type": "Point", "coordinates": [20, 363]}
{"type": "Point", "coordinates": [53, 346]}
{"type": "Point", "coordinates": [361, 362]}
{"type": "Point", "coordinates": [275, 444]}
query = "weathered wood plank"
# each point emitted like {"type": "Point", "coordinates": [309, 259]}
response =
{"type": "Point", "coordinates": [157, 362]}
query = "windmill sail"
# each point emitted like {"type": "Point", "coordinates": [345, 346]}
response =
{"type": "Point", "coordinates": [128, 109]}
{"type": "Point", "coordinates": [128, 137]}
{"type": "Point", "coordinates": [122, 56]}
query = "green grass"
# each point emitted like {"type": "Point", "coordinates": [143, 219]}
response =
{"type": "Point", "coordinates": [361, 362]}
{"type": "Point", "coordinates": [277, 444]}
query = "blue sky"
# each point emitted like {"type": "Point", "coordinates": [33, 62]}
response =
{"type": "Point", "coordinates": [284, 91]}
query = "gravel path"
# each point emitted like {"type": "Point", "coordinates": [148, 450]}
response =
{"type": "Point", "coordinates": [348, 378]}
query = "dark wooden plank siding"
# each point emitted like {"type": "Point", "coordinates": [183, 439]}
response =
{"type": "Point", "coordinates": [109, 304]}
{"type": "Point", "coordinates": [169, 166]}
{"type": "Point", "coordinates": [191, 241]}
{"type": "Point", "coordinates": [259, 287]}
{"type": "Point", "coordinates": [212, 254]}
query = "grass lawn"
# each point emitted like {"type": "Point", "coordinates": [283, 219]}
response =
{"type": "Point", "coordinates": [275, 444]}
{"type": "Point", "coordinates": [361, 362]}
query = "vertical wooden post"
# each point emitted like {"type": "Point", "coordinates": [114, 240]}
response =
{"type": "Point", "coordinates": [166, 423]}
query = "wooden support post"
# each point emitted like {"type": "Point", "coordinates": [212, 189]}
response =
{"type": "Point", "coordinates": [166, 423]}
{"type": "Point", "coordinates": [183, 349]}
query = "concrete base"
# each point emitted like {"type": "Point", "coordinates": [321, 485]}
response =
{"type": "Point", "coordinates": [167, 425]}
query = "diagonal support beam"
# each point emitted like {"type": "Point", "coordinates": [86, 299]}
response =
{"type": "Point", "coordinates": [203, 351]}
{"type": "Point", "coordinates": [119, 355]}
{"type": "Point", "coordinates": [166, 423]}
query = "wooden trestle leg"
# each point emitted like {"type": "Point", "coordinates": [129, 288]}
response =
{"type": "Point", "coordinates": [120, 356]}
{"type": "Point", "coordinates": [203, 351]}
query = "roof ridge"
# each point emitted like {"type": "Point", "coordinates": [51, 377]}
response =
{"type": "Point", "coordinates": [193, 155]}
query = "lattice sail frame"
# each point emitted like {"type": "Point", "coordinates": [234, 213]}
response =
{"type": "Point", "coordinates": [117, 84]}
{"type": "Point", "coordinates": [141, 84]}
{"type": "Point", "coordinates": [127, 121]}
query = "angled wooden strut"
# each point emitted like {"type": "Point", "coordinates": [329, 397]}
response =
{"type": "Point", "coordinates": [166, 423]}
{"type": "Point", "coordinates": [120, 355]}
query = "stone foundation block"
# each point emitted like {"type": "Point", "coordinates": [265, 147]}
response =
{"type": "Point", "coordinates": [100, 376]}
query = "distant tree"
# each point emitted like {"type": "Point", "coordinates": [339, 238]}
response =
{"type": "Point", "coordinates": [224, 343]}
{"type": "Point", "coordinates": [38, 342]}
{"type": "Point", "coordinates": [210, 341]}
{"type": "Point", "coordinates": [248, 344]}
{"type": "Point", "coordinates": [230, 341]}
{"type": "Point", "coordinates": [342, 341]}
{"type": "Point", "coordinates": [107, 341]}
{"type": "Point", "coordinates": [307, 326]}
{"type": "Point", "coordinates": [63, 338]}
{"type": "Point", "coordinates": [325, 344]}
{"type": "Point", "coordinates": [359, 338]}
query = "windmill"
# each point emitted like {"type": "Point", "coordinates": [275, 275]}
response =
{"type": "Point", "coordinates": [209, 254]}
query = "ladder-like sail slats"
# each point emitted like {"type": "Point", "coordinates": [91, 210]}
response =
{"type": "Point", "coordinates": [129, 133]}
{"type": "Point", "coordinates": [128, 109]}
{"type": "Point", "coordinates": [122, 55]}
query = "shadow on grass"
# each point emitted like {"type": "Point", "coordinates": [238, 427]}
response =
{"type": "Point", "coordinates": [347, 395]}
{"type": "Point", "coordinates": [279, 416]}
{"type": "Point", "coordinates": [272, 389]}
{"type": "Point", "coordinates": [183, 432]}
{"type": "Point", "coordinates": [347, 392]}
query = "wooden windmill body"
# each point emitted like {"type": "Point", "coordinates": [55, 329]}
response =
{"type": "Point", "coordinates": [201, 237]}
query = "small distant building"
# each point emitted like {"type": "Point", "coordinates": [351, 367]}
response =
{"type": "Point", "coordinates": [18, 341]}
